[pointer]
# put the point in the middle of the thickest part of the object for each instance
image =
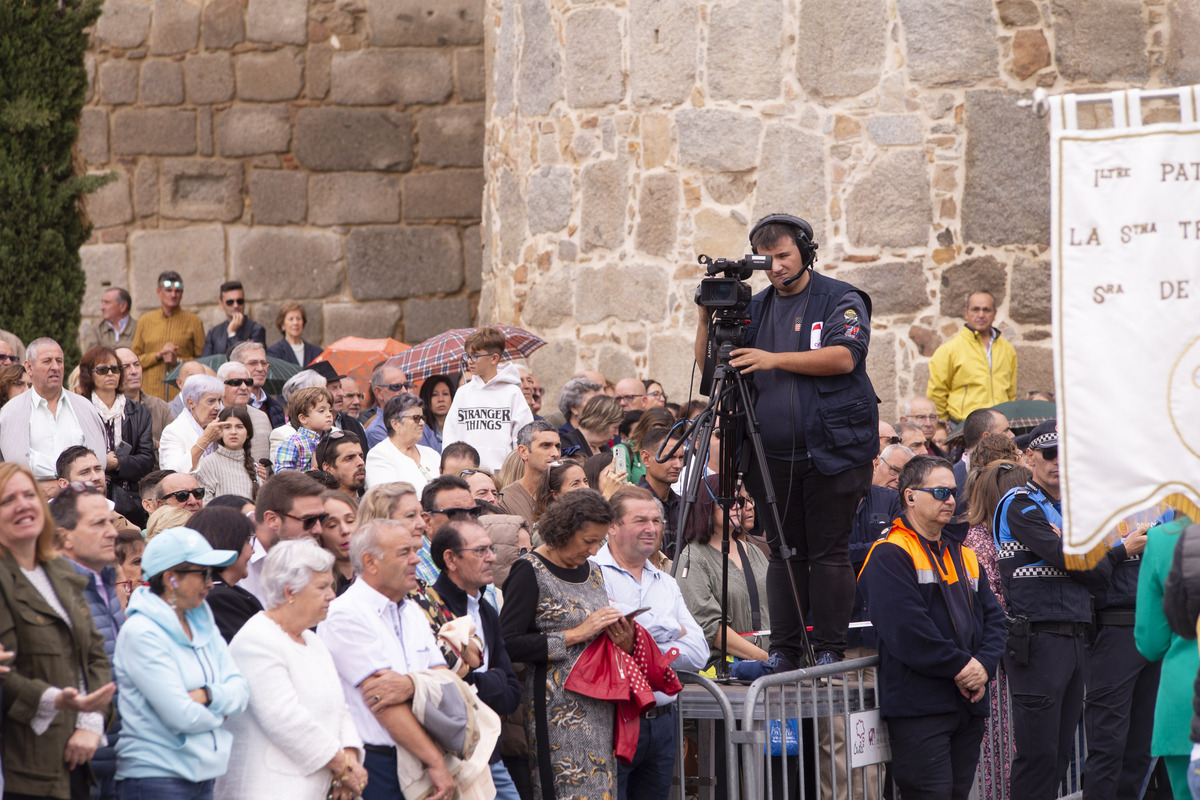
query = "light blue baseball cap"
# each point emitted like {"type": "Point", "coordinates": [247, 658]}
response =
{"type": "Point", "coordinates": [175, 546]}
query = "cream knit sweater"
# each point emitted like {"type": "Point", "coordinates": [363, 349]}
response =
{"type": "Point", "coordinates": [224, 472]}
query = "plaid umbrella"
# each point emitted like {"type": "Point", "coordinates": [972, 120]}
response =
{"type": "Point", "coordinates": [443, 354]}
{"type": "Point", "coordinates": [357, 357]}
{"type": "Point", "coordinates": [278, 371]}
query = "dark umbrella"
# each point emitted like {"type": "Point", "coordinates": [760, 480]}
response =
{"type": "Point", "coordinates": [1023, 416]}
{"type": "Point", "coordinates": [278, 371]}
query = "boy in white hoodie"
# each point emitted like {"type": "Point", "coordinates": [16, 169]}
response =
{"type": "Point", "coordinates": [488, 411]}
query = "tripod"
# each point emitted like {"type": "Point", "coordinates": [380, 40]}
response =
{"type": "Point", "coordinates": [730, 403]}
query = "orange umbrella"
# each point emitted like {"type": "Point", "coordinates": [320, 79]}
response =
{"type": "Point", "coordinates": [356, 357]}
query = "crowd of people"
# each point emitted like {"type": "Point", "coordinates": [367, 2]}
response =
{"type": "Point", "coordinates": [403, 590]}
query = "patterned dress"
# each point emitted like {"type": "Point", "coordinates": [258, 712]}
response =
{"type": "Point", "coordinates": [570, 736]}
{"type": "Point", "coordinates": [995, 759]}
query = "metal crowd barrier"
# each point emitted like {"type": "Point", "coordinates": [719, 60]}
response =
{"type": "Point", "coordinates": [811, 733]}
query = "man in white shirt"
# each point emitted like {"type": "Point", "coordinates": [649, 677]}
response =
{"type": "Point", "coordinates": [376, 637]}
{"type": "Point", "coordinates": [37, 426]}
{"type": "Point", "coordinates": [634, 583]}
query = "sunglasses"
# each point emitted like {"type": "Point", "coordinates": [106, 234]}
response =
{"type": "Point", "coordinates": [940, 493]}
{"type": "Point", "coordinates": [463, 473]}
{"type": "Point", "coordinates": [394, 387]}
{"type": "Point", "coordinates": [240, 301]}
{"type": "Point", "coordinates": [7, 359]}
{"type": "Point", "coordinates": [473, 511]}
{"type": "Point", "coordinates": [183, 494]}
{"type": "Point", "coordinates": [417, 418]}
{"type": "Point", "coordinates": [890, 439]}
{"type": "Point", "coordinates": [207, 572]}
{"type": "Point", "coordinates": [239, 381]}
{"type": "Point", "coordinates": [309, 523]}
{"type": "Point", "coordinates": [536, 394]}
{"type": "Point", "coordinates": [1049, 453]}
{"type": "Point", "coordinates": [106, 370]}
{"type": "Point", "coordinates": [172, 285]}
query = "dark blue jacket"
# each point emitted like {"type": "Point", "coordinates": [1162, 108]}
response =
{"type": "Point", "coordinates": [1033, 571]}
{"type": "Point", "coordinates": [841, 412]}
{"type": "Point", "coordinates": [283, 351]}
{"type": "Point", "coordinates": [275, 411]}
{"type": "Point", "coordinates": [930, 621]}
{"type": "Point", "coordinates": [108, 618]}
{"type": "Point", "coordinates": [874, 516]}
{"type": "Point", "coordinates": [218, 342]}
{"type": "Point", "coordinates": [497, 686]}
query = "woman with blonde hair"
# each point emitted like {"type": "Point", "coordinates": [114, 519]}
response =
{"type": "Point", "coordinates": [599, 423]}
{"type": "Point", "coordinates": [60, 680]}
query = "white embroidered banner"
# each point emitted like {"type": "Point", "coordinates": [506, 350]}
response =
{"type": "Point", "coordinates": [1126, 278]}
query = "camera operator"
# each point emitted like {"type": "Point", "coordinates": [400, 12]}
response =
{"type": "Point", "coordinates": [806, 349]}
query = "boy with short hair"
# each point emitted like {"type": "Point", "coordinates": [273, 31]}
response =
{"type": "Point", "coordinates": [311, 411]}
{"type": "Point", "coordinates": [488, 411]}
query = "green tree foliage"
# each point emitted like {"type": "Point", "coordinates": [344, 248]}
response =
{"type": "Point", "coordinates": [42, 88]}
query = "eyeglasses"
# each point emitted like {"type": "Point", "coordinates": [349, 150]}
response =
{"type": "Point", "coordinates": [417, 418]}
{"type": "Point", "coordinates": [536, 394]}
{"type": "Point", "coordinates": [309, 523]}
{"type": "Point", "coordinates": [1049, 453]}
{"type": "Point", "coordinates": [176, 286]}
{"type": "Point", "coordinates": [239, 301]}
{"type": "Point", "coordinates": [207, 572]}
{"type": "Point", "coordinates": [925, 417]}
{"type": "Point", "coordinates": [105, 369]}
{"type": "Point", "coordinates": [183, 494]}
{"type": "Point", "coordinates": [890, 439]}
{"type": "Point", "coordinates": [471, 358]}
{"type": "Point", "coordinates": [940, 493]}
{"type": "Point", "coordinates": [479, 551]}
{"type": "Point", "coordinates": [656, 393]}
{"type": "Point", "coordinates": [463, 473]}
{"type": "Point", "coordinates": [393, 387]}
{"type": "Point", "coordinates": [895, 470]}
{"type": "Point", "coordinates": [239, 381]}
{"type": "Point", "coordinates": [473, 511]}
{"type": "Point", "coordinates": [127, 586]}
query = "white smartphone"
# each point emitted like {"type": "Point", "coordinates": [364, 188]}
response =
{"type": "Point", "coordinates": [620, 453]}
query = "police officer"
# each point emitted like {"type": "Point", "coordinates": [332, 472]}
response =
{"type": "Point", "coordinates": [806, 348]}
{"type": "Point", "coordinates": [1121, 691]}
{"type": "Point", "coordinates": [1050, 607]}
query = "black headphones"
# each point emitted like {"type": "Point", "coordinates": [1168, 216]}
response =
{"type": "Point", "coordinates": [802, 234]}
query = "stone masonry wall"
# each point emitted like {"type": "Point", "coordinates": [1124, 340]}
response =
{"type": "Point", "coordinates": [323, 151]}
{"type": "Point", "coordinates": [624, 137]}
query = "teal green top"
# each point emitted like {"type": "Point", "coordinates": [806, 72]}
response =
{"type": "Point", "coordinates": [1180, 657]}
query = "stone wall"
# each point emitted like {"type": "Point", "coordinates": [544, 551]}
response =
{"type": "Point", "coordinates": [624, 137]}
{"type": "Point", "coordinates": [323, 151]}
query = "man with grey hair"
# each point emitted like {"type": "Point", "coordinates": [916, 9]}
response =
{"type": "Point", "coordinates": [116, 326]}
{"type": "Point", "coordinates": [196, 432]}
{"type": "Point", "coordinates": [377, 636]}
{"type": "Point", "coordinates": [40, 424]}
{"type": "Point", "coordinates": [254, 356]}
{"type": "Point", "coordinates": [238, 385]}
{"type": "Point", "coordinates": [131, 373]}
{"type": "Point", "coordinates": [571, 398]}
{"type": "Point", "coordinates": [539, 445]}
{"type": "Point", "coordinates": [386, 382]}
{"type": "Point", "coordinates": [531, 388]}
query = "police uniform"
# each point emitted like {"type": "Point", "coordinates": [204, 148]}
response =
{"type": "Point", "coordinates": [1121, 692]}
{"type": "Point", "coordinates": [1046, 659]}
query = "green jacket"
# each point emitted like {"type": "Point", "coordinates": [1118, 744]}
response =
{"type": "Point", "coordinates": [49, 653]}
{"type": "Point", "coordinates": [1180, 657]}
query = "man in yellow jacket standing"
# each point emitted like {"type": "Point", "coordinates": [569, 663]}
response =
{"type": "Point", "coordinates": [975, 369]}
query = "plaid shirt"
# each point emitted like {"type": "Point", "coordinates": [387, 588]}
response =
{"type": "Point", "coordinates": [297, 451]}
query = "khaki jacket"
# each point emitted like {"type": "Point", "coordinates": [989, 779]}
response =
{"type": "Point", "coordinates": [49, 653]}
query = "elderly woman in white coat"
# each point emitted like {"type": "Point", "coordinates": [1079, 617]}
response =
{"type": "Point", "coordinates": [296, 739]}
{"type": "Point", "coordinates": [196, 432]}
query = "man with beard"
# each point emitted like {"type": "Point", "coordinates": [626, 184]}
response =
{"type": "Point", "coordinates": [340, 454]}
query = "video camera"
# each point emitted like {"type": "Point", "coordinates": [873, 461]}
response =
{"type": "Point", "coordinates": [728, 297]}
